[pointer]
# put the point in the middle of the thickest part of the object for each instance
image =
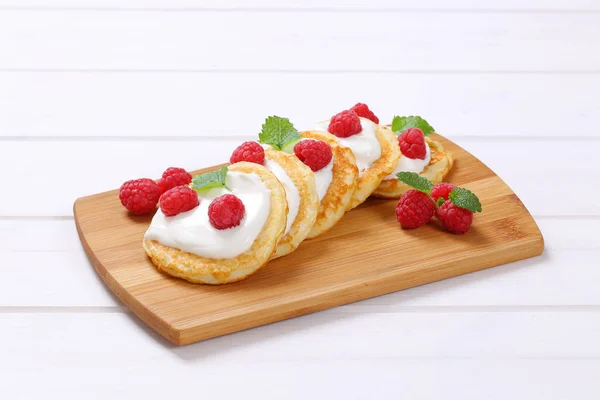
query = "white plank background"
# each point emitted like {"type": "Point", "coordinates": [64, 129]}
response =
{"type": "Point", "coordinates": [95, 92]}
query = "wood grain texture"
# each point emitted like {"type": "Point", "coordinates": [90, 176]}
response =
{"type": "Point", "coordinates": [365, 255]}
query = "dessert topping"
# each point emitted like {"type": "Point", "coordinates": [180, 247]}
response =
{"type": "Point", "coordinates": [174, 177]}
{"type": "Point", "coordinates": [210, 180]}
{"type": "Point", "coordinates": [401, 124]}
{"type": "Point", "coordinates": [248, 151]}
{"type": "Point", "coordinates": [278, 132]}
{"type": "Point", "coordinates": [314, 153]}
{"type": "Point", "coordinates": [226, 211]}
{"type": "Point", "coordinates": [362, 110]}
{"type": "Point", "coordinates": [344, 124]}
{"type": "Point", "coordinates": [178, 200]}
{"type": "Point", "coordinates": [412, 144]}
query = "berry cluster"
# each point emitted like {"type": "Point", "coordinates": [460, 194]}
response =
{"type": "Point", "coordinates": [454, 206]}
{"type": "Point", "coordinates": [347, 122]}
{"type": "Point", "coordinates": [174, 196]}
{"type": "Point", "coordinates": [140, 196]}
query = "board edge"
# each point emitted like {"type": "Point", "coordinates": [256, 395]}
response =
{"type": "Point", "coordinates": [166, 330]}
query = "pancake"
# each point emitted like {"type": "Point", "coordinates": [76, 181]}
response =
{"type": "Point", "coordinates": [371, 174]}
{"type": "Point", "coordinates": [339, 193]}
{"type": "Point", "coordinates": [302, 211]}
{"type": "Point", "coordinates": [198, 269]}
{"type": "Point", "coordinates": [439, 166]}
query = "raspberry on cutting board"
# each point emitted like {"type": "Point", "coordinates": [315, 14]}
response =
{"type": "Point", "coordinates": [226, 211]}
{"type": "Point", "coordinates": [414, 209]}
{"type": "Point", "coordinates": [441, 190]}
{"type": "Point", "coordinates": [139, 196]}
{"type": "Point", "coordinates": [455, 205]}
{"type": "Point", "coordinates": [455, 219]}
{"type": "Point", "coordinates": [314, 153]}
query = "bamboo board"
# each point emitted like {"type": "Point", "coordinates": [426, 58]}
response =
{"type": "Point", "coordinates": [366, 254]}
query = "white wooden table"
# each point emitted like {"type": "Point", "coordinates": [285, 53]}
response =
{"type": "Point", "coordinates": [95, 92]}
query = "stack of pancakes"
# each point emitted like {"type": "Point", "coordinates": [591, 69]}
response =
{"type": "Point", "coordinates": [314, 214]}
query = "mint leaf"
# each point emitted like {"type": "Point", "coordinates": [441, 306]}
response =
{"type": "Point", "coordinates": [277, 132]}
{"type": "Point", "coordinates": [440, 201]}
{"type": "Point", "coordinates": [210, 180]}
{"type": "Point", "coordinates": [415, 181]}
{"type": "Point", "coordinates": [401, 124]}
{"type": "Point", "coordinates": [465, 199]}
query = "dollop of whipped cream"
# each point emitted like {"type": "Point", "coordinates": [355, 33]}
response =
{"type": "Point", "coordinates": [192, 232]}
{"type": "Point", "coordinates": [406, 164]}
{"type": "Point", "coordinates": [323, 179]}
{"type": "Point", "coordinates": [364, 144]}
{"type": "Point", "coordinates": [291, 191]}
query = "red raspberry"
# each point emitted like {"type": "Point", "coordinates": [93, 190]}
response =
{"type": "Point", "coordinates": [362, 110]}
{"type": "Point", "coordinates": [456, 219]}
{"type": "Point", "coordinates": [412, 143]}
{"type": "Point", "coordinates": [314, 153]}
{"type": "Point", "coordinates": [226, 211]}
{"type": "Point", "coordinates": [441, 190]}
{"type": "Point", "coordinates": [174, 177]}
{"type": "Point", "coordinates": [177, 200]}
{"type": "Point", "coordinates": [345, 124]}
{"type": "Point", "coordinates": [248, 151]}
{"type": "Point", "coordinates": [414, 209]}
{"type": "Point", "coordinates": [139, 196]}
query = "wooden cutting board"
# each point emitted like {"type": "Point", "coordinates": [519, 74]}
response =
{"type": "Point", "coordinates": [366, 254]}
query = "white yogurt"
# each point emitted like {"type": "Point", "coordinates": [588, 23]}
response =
{"type": "Point", "coordinates": [364, 144]}
{"type": "Point", "coordinates": [292, 194]}
{"type": "Point", "coordinates": [323, 178]}
{"type": "Point", "coordinates": [192, 232]}
{"type": "Point", "coordinates": [406, 164]}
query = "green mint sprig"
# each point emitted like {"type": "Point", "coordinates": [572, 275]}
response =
{"type": "Point", "coordinates": [401, 124]}
{"type": "Point", "coordinates": [210, 180]}
{"type": "Point", "coordinates": [278, 132]}
{"type": "Point", "coordinates": [416, 181]}
{"type": "Point", "coordinates": [465, 199]}
{"type": "Point", "coordinates": [460, 197]}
